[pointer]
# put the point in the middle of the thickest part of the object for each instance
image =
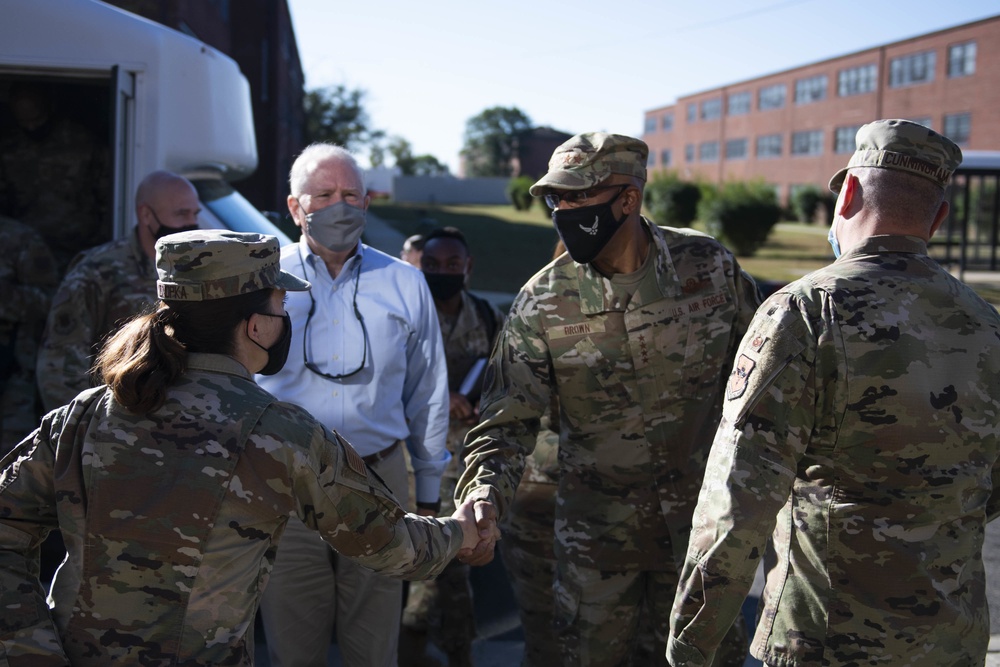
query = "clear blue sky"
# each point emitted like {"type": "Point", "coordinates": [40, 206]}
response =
{"type": "Point", "coordinates": [579, 65]}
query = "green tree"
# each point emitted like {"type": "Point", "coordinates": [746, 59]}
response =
{"type": "Point", "coordinates": [741, 214]}
{"type": "Point", "coordinates": [413, 165]}
{"type": "Point", "coordinates": [518, 194]}
{"type": "Point", "coordinates": [337, 115]}
{"type": "Point", "coordinates": [806, 201]}
{"type": "Point", "coordinates": [671, 201]}
{"type": "Point", "coordinates": [491, 140]}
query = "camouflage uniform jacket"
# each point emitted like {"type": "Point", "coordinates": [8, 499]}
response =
{"type": "Point", "coordinates": [639, 382]}
{"type": "Point", "coordinates": [171, 521]}
{"type": "Point", "coordinates": [467, 341]}
{"type": "Point", "coordinates": [106, 286]}
{"type": "Point", "coordinates": [27, 281]}
{"type": "Point", "coordinates": [860, 433]}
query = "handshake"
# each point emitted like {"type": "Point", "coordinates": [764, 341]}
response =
{"type": "Point", "coordinates": [480, 534]}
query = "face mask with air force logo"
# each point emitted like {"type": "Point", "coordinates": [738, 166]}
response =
{"type": "Point", "coordinates": [587, 229]}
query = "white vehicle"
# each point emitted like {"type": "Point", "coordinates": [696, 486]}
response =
{"type": "Point", "coordinates": [160, 99]}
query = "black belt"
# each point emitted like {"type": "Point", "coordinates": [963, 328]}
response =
{"type": "Point", "coordinates": [372, 459]}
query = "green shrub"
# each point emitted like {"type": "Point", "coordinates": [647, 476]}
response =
{"type": "Point", "coordinates": [805, 202]}
{"type": "Point", "coordinates": [671, 201]}
{"type": "Point", "coordinates": [829, 202]}
{"type": "Point", "coordinates": [742, 214]}
{"type": "Point", "coordinates": [517, 192]}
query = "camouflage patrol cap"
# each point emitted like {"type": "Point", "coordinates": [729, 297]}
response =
{"type": "Point", "coordinates": [209, 264]}
{"type": "Point", "coordinates": [904, 146]}
{"type": "Point", "coordinates": [589, 158]}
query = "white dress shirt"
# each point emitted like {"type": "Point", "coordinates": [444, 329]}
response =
{"type": "Point", "coordinates": [401, 392]}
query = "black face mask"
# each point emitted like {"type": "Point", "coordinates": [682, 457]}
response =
{"type": "Point", "coordinates": [445, 285]}
{"type": "Point", "coordinates": [586, 230]}
{"type": "Point", "coordinates": [277, 354]}
{"type": "Point", "coordinates": [163, 230]}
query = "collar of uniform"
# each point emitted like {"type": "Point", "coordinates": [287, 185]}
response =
{"type": "Point", "coordinates": [874, 245]}
{"type": "Point", "coordinates": [596, 295]}
{"type": "Point", "coordinates": [217, 363]}
{"type": "Point", "coordinates": [147, 264]}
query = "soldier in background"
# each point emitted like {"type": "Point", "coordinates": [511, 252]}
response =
{"type": "Point", "coordinates": [54, 174]}
{"type": "Point", "coordinates": [108, 285]}
{"type": "Point", "coordinates": [442, 608]}
{"type": "Point", "coordinates": [632, 332]}
{"type": "Point", "coordinates": [860, 435]}
{"type": "Point", "coordinates": [413, 246]}
{"type": "Point", "coordinates": [27, 281]}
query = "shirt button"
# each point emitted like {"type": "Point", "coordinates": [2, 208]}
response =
{"type": "Point", "coordinates": [336, 357]}
{"type": "Point", "coordinates": [336, 393]}
{"type": "Point", "coordinates": [336, 321]}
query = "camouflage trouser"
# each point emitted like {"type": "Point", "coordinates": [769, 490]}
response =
{"type": "Point", "coordinates": [598, 615]}
{"type": "Point", "coordinates": [442, 608]}
{"type": "Point", "coordinates": [527, 555]}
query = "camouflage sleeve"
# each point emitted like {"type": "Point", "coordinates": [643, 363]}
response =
{"type": "Point", "coordinates": [356, 513]}
{"type": "Point", "coordinates": [516, 392]}
{"type": "Point", "coordinates": [27, 514]}
{"type": "Point", "coordinates": [71, 333]}
{"type": "Point", "coordinates": [25, 294]}
{"type": "Point", "coordinates": [767, 422]}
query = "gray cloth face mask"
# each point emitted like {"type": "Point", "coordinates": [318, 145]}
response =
{"type": "Point", "coordinates": [336, 227]}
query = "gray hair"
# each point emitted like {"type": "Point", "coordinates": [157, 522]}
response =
{"type": "Point", "coordinates": [314, 155]}
{"type": "Point", "coordinates": [899, 196]}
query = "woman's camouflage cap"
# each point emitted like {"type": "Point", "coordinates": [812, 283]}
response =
{"type": "Point", "coordinates": [904, 146]}
{"type": "Point", "coordinates": [213, 264]}
{"type": "Point", "coordinates": [589, 158]}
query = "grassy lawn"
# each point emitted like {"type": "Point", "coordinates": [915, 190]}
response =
{"type": "Point", "coordinates": [510, 246]}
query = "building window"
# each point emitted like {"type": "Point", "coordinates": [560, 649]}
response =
{"type": "Point", "coordinates": [650, 125]}
{"type": "Point", "coordinates": [962, 59]}
{"type": "Point", "coordinates": [651, 160]}
{"type": "Point", "coordinates": [807, 143]}
{"type": "Point", "coordinates": [689, 153]}
{"type": "Point", "coordinates": [739, 103]}
{"type": "Point", "coordinates": [856, 80]}
{"type": "Point", "coordinates": [711, 109]}
{"type": "Point", "coordinates": [911, 69]}
{"type": "Point", "coordinates": [667, 121]}
{"type": "Point", "coordinates": [736, 149]}
{"type": "Point", "coordinates": [771, 97]}
{"type": "Point", "coordinates": [769, 145]}
{"type": "Point", "coordinates": [708, 151]}
{"type": "Point", "coordinates": [810, 90]}
{"type": "Point", "coordinates": [926, 121]}
{"type": "Point", "coordinates": [958, 127]}
{"type": "Point", "coordinates": [665, 157]}
{"type": "Point", "coordinates": [843, 139]}
{"type": "Point", "coordinates": [692, 112]}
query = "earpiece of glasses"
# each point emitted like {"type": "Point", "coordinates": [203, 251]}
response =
{"type": "Point", "coordinates": [579, 197]}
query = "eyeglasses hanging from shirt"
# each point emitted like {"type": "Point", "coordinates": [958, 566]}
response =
{"type": "Point", "coordinates": [311, 365]}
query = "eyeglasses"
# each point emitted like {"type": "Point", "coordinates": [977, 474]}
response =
{"type": "Point", "coordinates": [581, 197]}
{"type": "Point", "coordinates": [364, 334]}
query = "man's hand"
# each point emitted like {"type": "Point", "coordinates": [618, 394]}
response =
{"type": "Point", "coordinates": [459, 408]}
{"type": "Point", "coordinates": [485, 532]}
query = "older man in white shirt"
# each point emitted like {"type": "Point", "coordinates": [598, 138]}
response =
{"type": "Point", "coordinates": [367, 360]}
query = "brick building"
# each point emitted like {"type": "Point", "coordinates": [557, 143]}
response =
{"type": "Point", "coordinates": [258, 35]}
{"type": "Point", "coordinates": [797, 127]}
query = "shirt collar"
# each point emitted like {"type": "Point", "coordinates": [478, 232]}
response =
{"type": "Point", "coordinates": [313, 260]}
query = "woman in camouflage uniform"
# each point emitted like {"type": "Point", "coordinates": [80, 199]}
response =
{"type": "Point", "coordinates": [173, 482]}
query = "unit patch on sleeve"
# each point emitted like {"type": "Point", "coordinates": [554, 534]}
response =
{"type": "Point", "coordinates": [740, 377]}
